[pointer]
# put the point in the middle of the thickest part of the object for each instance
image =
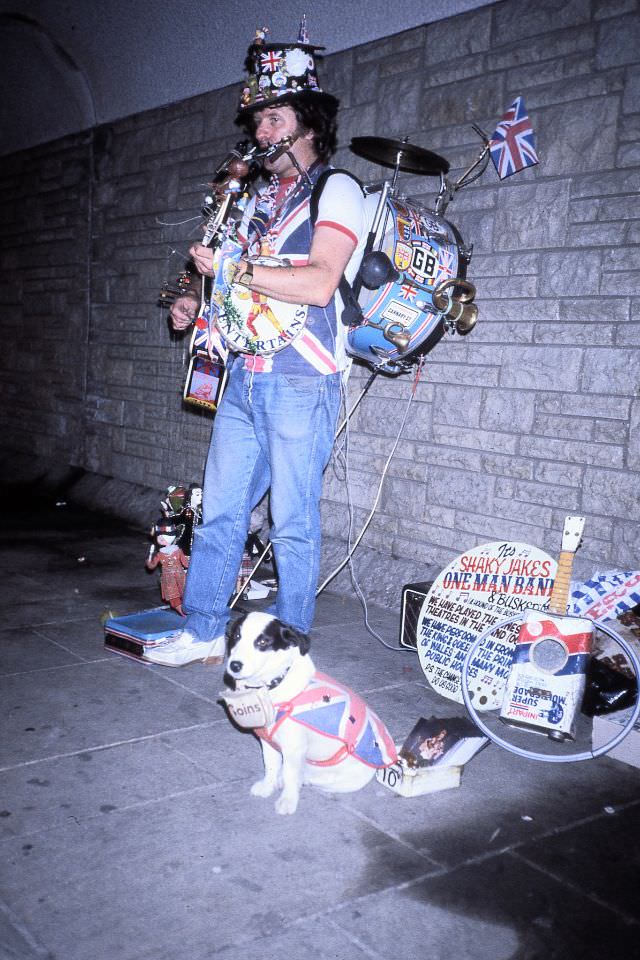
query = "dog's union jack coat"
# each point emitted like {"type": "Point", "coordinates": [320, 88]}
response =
{"type": "Point", "coordinates": [336, 712]}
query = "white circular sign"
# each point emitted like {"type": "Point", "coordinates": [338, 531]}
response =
{"type": "Point", "coordinates": [481, 587]}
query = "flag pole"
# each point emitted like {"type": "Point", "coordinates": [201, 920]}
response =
{"type": "Point", "coordinates": [463, 180]}
{"type": "Point", "coordinates": [448, 189]}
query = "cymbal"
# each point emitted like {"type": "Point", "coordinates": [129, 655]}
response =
{"type": "Point", "coordinates": [400, 154]}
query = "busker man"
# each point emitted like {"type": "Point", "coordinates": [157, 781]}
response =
{"type": "Point", "coordinates": [275, 425]}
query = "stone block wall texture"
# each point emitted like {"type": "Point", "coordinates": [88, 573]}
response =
{"type": "Point", "coordinates": [535, 415]}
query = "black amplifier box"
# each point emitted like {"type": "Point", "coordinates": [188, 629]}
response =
{"type": "Point", "coordinates": [413, 596]}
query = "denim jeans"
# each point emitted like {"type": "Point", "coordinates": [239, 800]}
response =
{"type": "Point", "coordinates": [271, 431]}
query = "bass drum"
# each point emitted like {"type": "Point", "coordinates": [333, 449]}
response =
{"type": "Point", "coordinates": [400, 319]}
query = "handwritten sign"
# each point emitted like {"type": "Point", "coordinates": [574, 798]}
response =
{"type": "Point", "coordinates": [480, 588]}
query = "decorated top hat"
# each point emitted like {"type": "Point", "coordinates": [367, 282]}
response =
{"type": "Point", "coordinates": [278, 72]}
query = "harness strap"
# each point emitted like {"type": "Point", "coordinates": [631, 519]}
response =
{"type": "Point", "coordinates": [284, 711]}
{"type": "Point", "coordinates": [265, 734]}
{"type": "Point", "coordinates": [332, 761]}
{"type": "Point", "coordinates": [308, 696]}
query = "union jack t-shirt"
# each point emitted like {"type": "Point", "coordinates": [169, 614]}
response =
{"type": "Point", "coordinates": [320, 347]}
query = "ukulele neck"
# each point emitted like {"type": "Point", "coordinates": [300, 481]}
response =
{"type": "Point", "coordinates": [562, 584]}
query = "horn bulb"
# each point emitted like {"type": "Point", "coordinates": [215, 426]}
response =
{"type": "Point", "coordinates": [376, 268]}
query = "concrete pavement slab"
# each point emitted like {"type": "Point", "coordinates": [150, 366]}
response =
{"type": "Point", "coordinates": [219, 750]}
{"type": "Point", "coordinates": [585, 851]}
{"type": "Point", "coordinates": [81, 591]}
{"type": "Point", "coordinates": [202, 679]}
{"type": "Point", "coordinates": [498, 909]}
{"type": "Point", "coordinates": [84, 638]}
{"type": "Point", "coordinates": [334, 609]}
{"type": "Point", "coordinates": [50, 712]}
{"type": "Point", "coordinates": [153, 849]}
{"type": "Point", "coordinates": [121, 598]}
{"type": "Point", "coordinates": [357, 673]}
{"type": "Point", "coordinates": [94, 783]}
{"type": "Point", "coordinates": [399, 705]}
{"type": "Point", "coordinates": [26, 612]}
{"type": "Point", "coordinates": [503, 801]}
{"type": "Point", "coordinates": [316, 939]}
{"type": "Point", "coordinates": [39, 585]}
{"type": "Point", "coordinates": [188, 876]}
{"type": "Point", "coordinates": [16, 941]}
{"type": "Point", "coordinates": [24, 650]}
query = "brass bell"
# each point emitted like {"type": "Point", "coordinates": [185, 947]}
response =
{"type": "Point", "coordinates": [455, 295]}
{"type": "Point", "coordinates": [467, 319]}
{"type": "Point", "coordinates": [462, 291]}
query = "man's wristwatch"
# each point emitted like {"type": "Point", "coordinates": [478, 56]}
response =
{"type": "Point", "coordinates": [244, 275]}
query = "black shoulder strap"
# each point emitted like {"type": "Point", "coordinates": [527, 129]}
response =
{"type": "Point", "coordinates": [319, 186]}
{"type": "Point", "coordinates": [352, 313]}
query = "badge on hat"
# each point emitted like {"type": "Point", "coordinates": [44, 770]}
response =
{"type": "Point", "coordinates": [277, 70]}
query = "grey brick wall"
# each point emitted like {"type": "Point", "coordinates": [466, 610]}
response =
{"type": "Point", "coordinates": [536, 413]}
{"type": "Point", "coordinates": [45, 227]}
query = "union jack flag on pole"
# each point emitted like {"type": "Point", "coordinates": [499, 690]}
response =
{"type": "Point", "coordinates": [512, 144]}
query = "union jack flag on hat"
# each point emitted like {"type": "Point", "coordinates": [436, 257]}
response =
{"type": "Point", "coordinates": [512, 144]}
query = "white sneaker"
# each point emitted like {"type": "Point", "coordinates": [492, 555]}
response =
{"type": "Point", "coordinates": [184, 648]}
{"type": "Point", "coordinates": [255, 591]}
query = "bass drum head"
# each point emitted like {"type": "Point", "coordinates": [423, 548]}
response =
{"type": "Point", "coordinates": [252, 323]}
{"type": "Point", "coordinates": [424, 249]}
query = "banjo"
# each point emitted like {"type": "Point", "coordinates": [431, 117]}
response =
{"type": "Point", "coordinates": [250, 322]}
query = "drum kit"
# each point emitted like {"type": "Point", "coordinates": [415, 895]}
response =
{"type": "Point", "coordinates": [411, 286]}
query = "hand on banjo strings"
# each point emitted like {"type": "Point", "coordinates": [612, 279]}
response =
{"type": "Point", "coordinates": [203, 259]}
{"type": "Point", "coordinates": [184, 311]}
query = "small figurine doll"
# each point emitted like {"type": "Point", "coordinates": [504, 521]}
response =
{"type": "Point", "coordinates": [190, 517]}
{"type": "Point", "coordinates": [182, 505]}
{"type": "Point", "coordinates": [173, 561]}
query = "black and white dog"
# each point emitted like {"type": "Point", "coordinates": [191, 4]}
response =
{"type": "Point", "coordinates": [312, 729]}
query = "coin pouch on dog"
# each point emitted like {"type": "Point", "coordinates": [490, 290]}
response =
{"type": "Point", "coordinates": [249, 708]}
